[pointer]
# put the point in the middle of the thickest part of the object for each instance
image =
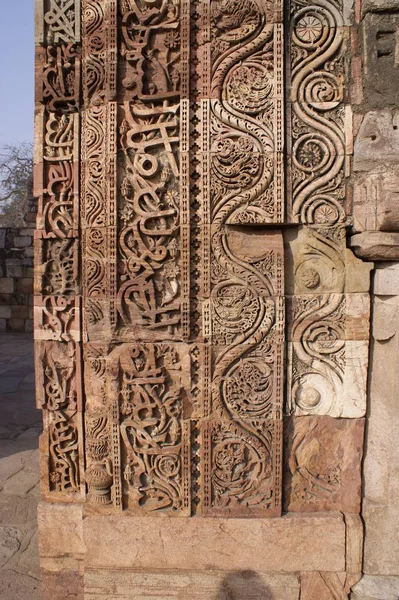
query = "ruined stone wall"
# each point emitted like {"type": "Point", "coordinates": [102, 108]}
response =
{"type": "Point", "coordinates": [16, 279]}
{"type": "Point", "coordinates": [202, 328]}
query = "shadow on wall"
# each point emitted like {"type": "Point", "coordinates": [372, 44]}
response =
{"type": "Point", "coordinates": [243, 585]}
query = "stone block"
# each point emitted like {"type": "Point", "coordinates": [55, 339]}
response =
{"type": "Point", "coordinates": [376, 245]}
{"type": "Point", "coordinates": [16, 324]}
{"type": "Point", "coordinates": [3, 233]}
{"type": "Point", "coordinates": [380, 47]}
{"type": "Point", "coordinates": [24, 285]}
{"type": "Point", "coordinates": [323, 464]}
{"type": "Point", "coordinates": [323, 586]}
{"type": "Point", "coordinates": [29, 252]}
{"type": "Point", "coordinates": [19, 312]}
{"type": "Point", "coordinates": [5, 312]}
{"type": "Point", "coordinates": [386, 280]}
{"type": "Point", "coordinates": [61, 585]}
{"type": "Point", "coordinates": [375, 587]}
{"type": "Point", "coordinates": [377, 142]}
{"type": "Point", "coordinates": [60, 530]}
{"type": "Point", "coordinates": [299, 543]}
{"type": "Point", "coordinates": [6, 299]}
{"type": "Point", "coordinates": [13, 267]}
{"type": "Point", "coordinates": [123, 584]}
{"type": "Point", "coordinates": [22, 241]}
{"type": "Point", "coordinates": [381, 478]}
{"type": "Point", "coordinates": [3, 325]}
{"type": "Point", "coordinates": [6, 285]}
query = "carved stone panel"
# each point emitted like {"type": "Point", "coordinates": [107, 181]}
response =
{"type": "Point", "coordinates": [317, 478]}
{"type": "Point", "coordinates": [175, 141]}
{"type": "Point", "coordinates": [320, 143]}
{"type": "Point", "coordinates": [328, 329]}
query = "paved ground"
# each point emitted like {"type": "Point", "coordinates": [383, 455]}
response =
{"type": "Point", "coordinates": [19, 471]}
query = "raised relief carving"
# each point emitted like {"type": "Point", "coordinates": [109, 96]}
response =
{"type": "Point", "coordinates": [94, 42]}
{"type": "Point", "coordinates": [58, 207]}
{"type": "Point", "coordinates": [320, 122]}
{"type": "Point", "coordinates": [157, 251]}
{"type": "Point", "coordinates": [59, 397]}
{"type": "Point", "coordinates": [57, 273]}
{"type": "Point", "coordinates": [242, 138]}
{"type": "Point", "coordinates": [98, 450]}
{"type": "Point", "coordinates": [148, 381]}
{"type": "Point", "coordinates": [61, 21]}
{"type": "Point", "coordinates": [58, 76]}
{"type": "Point", "coordinates": [328, 332]}
{"type": "Point", "coordinates": [243, 410]}
{"type": "Point", "coordinates": [318, 478]}
{"type": "Point", "coordinates": [151, 48]}
{"type": "Point", "coordinates": [153, 267]}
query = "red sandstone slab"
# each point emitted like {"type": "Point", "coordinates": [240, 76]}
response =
{"type": "Point", "coordinates": [290, 543]}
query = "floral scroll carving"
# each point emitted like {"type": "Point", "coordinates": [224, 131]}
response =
{"type": "Point", "coordinates": [320, 121]}
{"type": "Point", "coordinates": [242, 109]}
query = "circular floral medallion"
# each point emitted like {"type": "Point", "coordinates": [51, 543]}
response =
{"type": "Point", "coordinates": [309, 29]}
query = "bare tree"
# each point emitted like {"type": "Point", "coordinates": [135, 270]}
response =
{"type": "Point", "coordinates": [16, 170]}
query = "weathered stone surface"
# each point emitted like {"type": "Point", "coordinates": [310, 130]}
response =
{"type": "Point", "coordinates": [354, 549]}
{"type": "Point", "coordinates": [381, 482]}
{"type": "Point", "coordinates": [22, 241]}
{"type": "Point", "coordinates": [299, 542]}
{"type": "Point", "coordinates": [376, 195]}
{"type": "Point", "coordinates": [323, 586]}
{"type": "Point", "coordinates": [376, 245]}
{"type": "Point", "coordinates": [316, 477]}
{"type": "Point", "coordinates": [10, 541]}
{"type": "Point", "coordinates": [381, 70]}
{"type": "Point", "coordinates": [374, 587]}
{"type": "Point", "coordinates": [60, 530]}
{"type": "Point", "coordinates": [6, 285]}
{"type": "Point", "coordinates": [63, 585]}
{"type": "Point", "coordinates": [207, 585]}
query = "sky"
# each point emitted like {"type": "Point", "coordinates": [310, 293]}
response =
{"type": "Point", "coordinates": [16, 71]}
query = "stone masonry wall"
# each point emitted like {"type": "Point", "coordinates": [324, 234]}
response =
{"type": "Point", "coordinates": [16, 279]}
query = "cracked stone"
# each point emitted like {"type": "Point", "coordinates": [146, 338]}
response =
{"type": "Point", "coordinates": [10, 542]}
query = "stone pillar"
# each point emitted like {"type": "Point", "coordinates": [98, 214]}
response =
{"type": "Point", "coordinates": [380, 509]}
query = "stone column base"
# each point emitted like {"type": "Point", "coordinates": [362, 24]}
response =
{"type": "Point", "coordinates": [92, 557]}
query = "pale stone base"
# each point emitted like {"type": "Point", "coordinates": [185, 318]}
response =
{"type": "Point", "coordinates": [374, 587]}
{"type": "Point", "coordinates": [130, 558]}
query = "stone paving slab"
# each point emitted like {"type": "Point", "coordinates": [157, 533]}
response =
{"type": "Point", "coordinates": [20, 426]}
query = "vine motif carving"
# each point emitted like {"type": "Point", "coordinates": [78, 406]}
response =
{"type": "Point", "coordinates": [94, 50]}
{"type": "Point", "coordinates": [319, 138]}
{"type": "Point", "coordinates": [245, 75]}
{"type": "Point", "coordinates": [327, 370]}
{"type": "Point", "coordinates": [247, 321]}
{"type": "Point", "coordinates": [59, 319]}
{"type": "Point", "coordinates": [59, 270]}
{"type": "Point", "coordinates": [58, 210]}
